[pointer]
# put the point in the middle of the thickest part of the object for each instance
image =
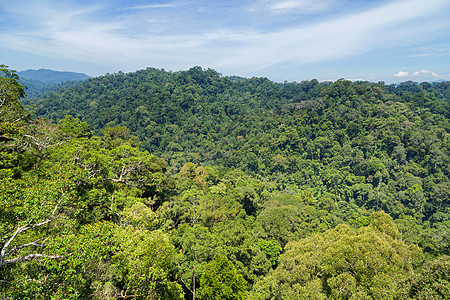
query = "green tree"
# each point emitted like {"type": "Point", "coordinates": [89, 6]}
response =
{"type": "Point", "coordinates": [220, 280]}
{"type": "Point", "coordinates": [11, 91]}
{"type": "Point", "coordinates": [32, 204]}
{"type": "Point", "coordinates": [196, 247]}
{"type": "Point", "coordinates": [74, 127]}
{"type": "Point", "coordinates": [433, 282]}
{"type": "Point", "coordinates": [343, 263]}
{"type": "Point", "coordinates": [145, 265]}
{"type": "Point", "coordinates": [12, 117]}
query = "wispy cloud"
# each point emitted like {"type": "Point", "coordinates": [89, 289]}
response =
{"type": "Point", "coordinates": [422, 74]}
{"type": "Point", "coordinates": [391, 24]}
{"type": "Point", "coordinates": [299, 6]}
{"type": "Point", "coordinates": [425, 72]}
{"type": "Point", "coordinates": [401, 74]}
{"type": "Point", "coordinates": [152, 6]}
{"type": "Point", "coordinates": [350, 79]}
{"type": "Point", "coordinates": [96, 34]}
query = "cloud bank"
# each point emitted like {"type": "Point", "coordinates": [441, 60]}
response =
{"type": "Point", "coordinates": [423, 74]}
{"type": "Point", "coordinates": [178, 35]}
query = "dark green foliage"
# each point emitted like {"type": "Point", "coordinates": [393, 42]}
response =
{"type": "Point", "coordinates": [10, 93]}
{"type": "Point", "coordinates": [37, 89]}
{"type": "Point", "coordinates": [364, 143]}
{"type": "Point", "coordinates": [433, 96]}
{"type": "Point", "coordinates": [433, 282]}
{"type": "Point", "coordinates": [265, 190]}
{"type": "Point", "coordinates": [220, 280]}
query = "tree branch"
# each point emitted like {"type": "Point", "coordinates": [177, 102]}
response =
{"type": "Point", "coordinates": [29, 244]}
{"type": "Point", "coordinates": [29, 257]}
{"type": "Point", "coordinates": [124, 182]}
{"type": "Point", "coordinates": [4, 252]}
{"type": "Point", "coordinates": [57, 205]}
{"type": "Point", "coordinates": [34, 280]}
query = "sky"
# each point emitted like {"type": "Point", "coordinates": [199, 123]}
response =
{"type": "Point", "coordinates": [285, 40]}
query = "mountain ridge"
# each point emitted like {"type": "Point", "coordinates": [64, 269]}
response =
{"type": "Point", "coordinates": [51, 76]}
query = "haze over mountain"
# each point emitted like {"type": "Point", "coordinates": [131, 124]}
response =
{"type": "Point", "coordinates": [42, 81]}
{"type": "Point", "coordinates": [51, 76]}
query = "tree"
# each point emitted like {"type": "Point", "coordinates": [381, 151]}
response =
{"type": "Point", "coordinates": [433, 282]}
{"type": "Point", "coordinates": [343, 263]}
{"type": "Point", "coordinates": [196, 247]}
{"type": "Point", "coordinates": [30, 203]}
{"type": "Point", "coordinates": [33, 209]}
{"type": "Point", "coordinates": [10, 92]}
{"type": "Point", "coordinates": [12, 115]}
{"type": "Point", "coordinates": [145, 265]}
{"type": "Point", "coordinates": [74, 127]}
{"type": "Point", "coordinates": [220, 280]}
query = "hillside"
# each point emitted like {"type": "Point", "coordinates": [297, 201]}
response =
{"type": "Point", "coordinates": [377, 146]}
{"type": "Point", "coordinates": [183, 185]}
{"type": "Point", "coordinates": [51, 76]}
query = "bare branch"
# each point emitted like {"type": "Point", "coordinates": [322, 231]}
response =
{"type": "Point", "coordinates": [186, 285]}
{"type": "Point", "coordinates": [57, 205]}
{"type": "Point", "coordinates": [35, 243]}
{"type": "Point", "coordinates": [4, 252]}
{"type": "Point", "coordinates": [39, 224]}
{"type": "Point", "coordinates": [124, 182]}
{"type": "Point", "coordinates": [31, 256]}
{"type": "Point", "coordinates": [43, 143]}
{"type": "Point", "coordinates": [5, 235]}
{"type": "Point", "coordinates": [123, 172]}
{"type": "Point", "coordinates": [34, 280]}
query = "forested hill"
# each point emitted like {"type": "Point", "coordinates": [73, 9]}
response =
{"type": "Point", "coordinates": [250, 189]}
{"type": "Point", "coordinates": [379, 146]}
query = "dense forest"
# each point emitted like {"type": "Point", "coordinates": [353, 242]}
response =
{"type": "Point", "coordinates": [194, 185]}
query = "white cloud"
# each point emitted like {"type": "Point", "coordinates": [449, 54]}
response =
{"type": "Point", "coordinates": [150, 6]}
{"type": "Point", "coordinates": [286, 5]}
{"type": "Point", "coordinates": [401, 74]}
{"type": "Point", "coordinates": [422, 74]}
{"type": "Point", "coordinates": [425, 72]}
{"type": "Point", "coordinates": [299, 6]}
{"type": "Point", "coordinates": [358, 79]}
{"type": "Point", "coordinates": [306, 5]}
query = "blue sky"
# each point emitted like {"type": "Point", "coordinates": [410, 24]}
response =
{"type": "Point", "coordinates": [286, 40]}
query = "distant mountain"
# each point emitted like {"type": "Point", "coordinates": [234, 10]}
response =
{"type": "Point", "coordinates": [42, 81]}
{"type": "Point", "coordinates": [50, 76]}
